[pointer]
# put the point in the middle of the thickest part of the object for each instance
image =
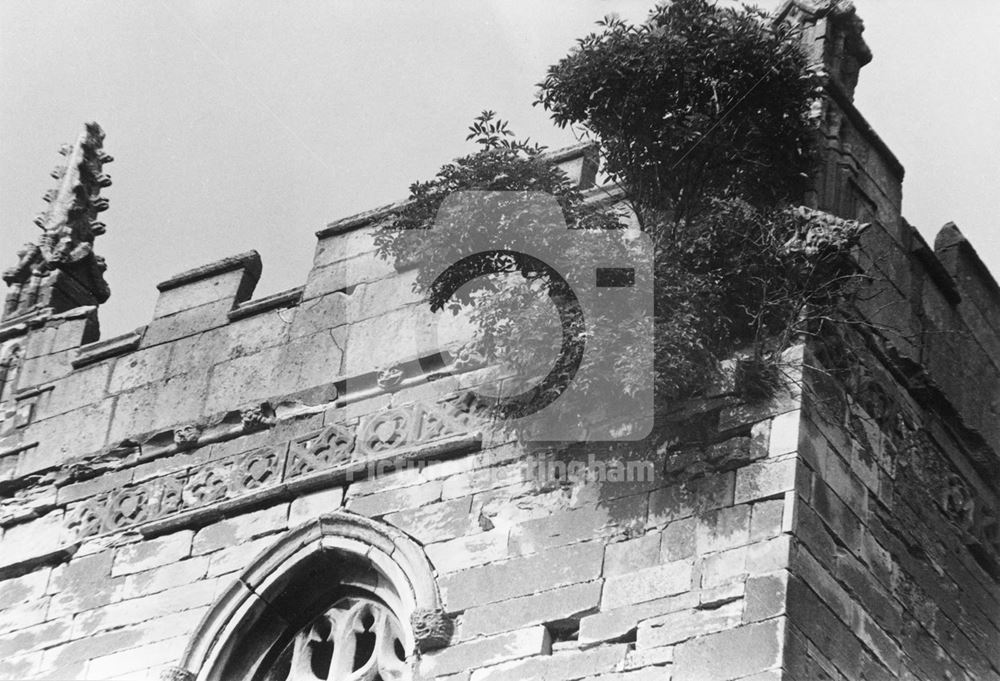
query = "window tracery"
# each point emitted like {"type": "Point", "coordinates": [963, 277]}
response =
{"type": "Point", "coordinates": [357, 639]}
{"type": "Point", "coordinates": [340, 598]}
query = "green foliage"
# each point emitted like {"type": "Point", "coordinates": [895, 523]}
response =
{"type": "Point", "coordinates": [744, 277]}
{"type": "Point", "coordinates": [698, 102]}
{"type": "Point", "coordinates": [702, 118]}
{"type": "Point", "coordinates": [490, 132]}
{"type": "Point", "coordinates": [503, 163]}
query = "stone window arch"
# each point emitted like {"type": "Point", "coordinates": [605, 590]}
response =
{"type": "Point", "coordinates": [342, 598]}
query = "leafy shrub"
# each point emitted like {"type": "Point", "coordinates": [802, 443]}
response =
{"type": "Point", "coordinates": [698, 102]}
{"type": "Point", "coordinates": [702, 116]}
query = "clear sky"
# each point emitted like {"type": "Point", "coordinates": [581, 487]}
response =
{"type": "Point", "coordinates": [241, 125]}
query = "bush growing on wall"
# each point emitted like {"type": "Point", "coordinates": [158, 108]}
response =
{"type": "Point", "coordinates": [702, 117]}
{"type": "Point", "coordinates": [696, 103]}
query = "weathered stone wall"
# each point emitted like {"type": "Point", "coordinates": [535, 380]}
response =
{"type": "Point", "coordinates": [143, 473]}
{"type": "Point", "coordinates": [894, 568]}
{"type": "Point", "coordinates": [845, 529]}
{"type": "Point", "coordinates": [849, 532]}
{"type": "Point", "coordinates": [893, 564]}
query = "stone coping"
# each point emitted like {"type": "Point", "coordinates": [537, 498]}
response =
{"type": "Point", "coordinates": [359, 220]}
{"type": "Point", "coordinates": [249, 261]}
{"type": "Point", "coordinates": [103, 349]}
{"type": "Point", "coordinates": [289, 298]}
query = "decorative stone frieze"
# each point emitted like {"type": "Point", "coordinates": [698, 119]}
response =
{"type": "Point", "coordinates": [332, 447]}
{"type": "Point", "coordinates": [256, 418]}
{"type": "Point", "coordinates": [923, 472]}
{"type": "Point", "coordinates": [338, 447]}
{"type": "Point", "coordinates": [467, 357]}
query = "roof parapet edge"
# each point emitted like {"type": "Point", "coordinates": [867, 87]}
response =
{"type": "Point", "coordinates": [250, 261]}
{"type": "Point", "coordinates": [864, 127]}
{"type": "Point", "coordinates": [359, 220]}
{"type": "Point", "coordinates": [950, 237]}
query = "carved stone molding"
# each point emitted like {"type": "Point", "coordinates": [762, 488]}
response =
{"type": "Point", "coordinates": [63, 259]}
{"type": "Point", "coordinates": [342, 448]}
{"type": "Point", "coordinates": [924, 472]}
{"type": "Point", "coordinates": [388, 572]}
{"type": "Point", "coordinates": [432, 628]}
{"type": "Point", "coordinates": [256, 418]}
{"type": "Point", "coordinates": [176, 674]}
{"type": "Point", "coordinates": [390, 377]}
{"type": "Point", "coordinates": [187, 436]}
{"type": "Point", "coordinates": [467, 357]}
{"type": "Point", "coordinates": [957, 502]}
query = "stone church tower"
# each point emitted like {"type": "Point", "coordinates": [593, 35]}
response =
{"type": "Point", "coordinates": [233, 490]}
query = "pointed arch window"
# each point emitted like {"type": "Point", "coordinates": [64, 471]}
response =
{"type": "Point", "coordinates": [343, 598]}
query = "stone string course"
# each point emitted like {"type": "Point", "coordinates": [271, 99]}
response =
{"type": "Point", "coordinates": [338, 451]}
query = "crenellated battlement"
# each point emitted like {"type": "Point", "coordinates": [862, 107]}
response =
{"type": "Point", "coordinates": [846, 526]}
{"type": "Point", "coordinates": [210, 348]}
{"type": "Point", "coordinates": [931, 306]}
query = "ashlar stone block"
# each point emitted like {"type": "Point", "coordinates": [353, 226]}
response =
{"type": "Point", "coordinates": [232, 278]}
{"type": "Point", "coordinates": [520, 576]}
{"type": "Point", "coordinates": [83, 583]}
{"type": "Point", "coordinates": [435, 522]}
{"type": "Point", "coordinates": [465, 552]}
{"type": "Point", "coordinates": [731, 654]}
{"type": "Point", "coordinates": [24, 588]}
{"type": "Point", "coordinates": [632, 554]}
{"type": "Point", "coordinates": [608, 625]}
{"type": "Point", "coordinates": [239, 529]}
{"type": "Point", "coordinates": [486, 651]}
{"type": "Point", "coordinates": [79, 388]}
{"type": "Point", "coordinates": [175, 400]}
{"type": "Point", "coordinates": [139, 368]}
{"type": "Point", "coordinates": [343, 245]}
{"type": "Point", "coordinates": [647, 584]}
{"type": "Point", "coordinates": [723, 528]}
{"type": "Point", "coordinates": [562, 665]}
{"type": "Point", "coordinates": [31, 540]}
{"type": "Point", "coordinates": [73, 434]}
{"type": "Point", "coordinates": [765, 479]}
{"type": "Point", "coordinates": [548, 606]}
{"type": "Point", "coordinates": [310, 361]}
{"type": "Point", "coordinates": [681, 626]}
{"type": "Point", "coordinates": [152, 553]}
{"type": "Point", "coordinates": [164, 577]}
{"type": "Point", "coordinates": [358, 269]}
